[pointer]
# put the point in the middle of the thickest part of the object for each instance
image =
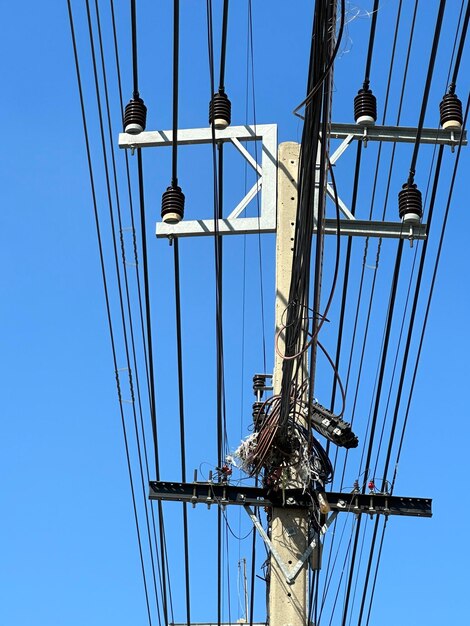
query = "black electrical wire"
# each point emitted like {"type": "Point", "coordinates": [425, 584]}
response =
{"type": "Point", "coordinates": [136, 255]}
{"type": "Point", "coordinates": [372, 293]}
{"type": "Point", "coordinates": [133, 228]}
{"type": "Point", "coordinates": [461, 45]}
{"type": "Point", "coordinates": [151, 376]}
{"type": "Point", "coordinates": [174, 183]}
{"type": "Point", "coordinates": [313, 586]}
{"type": "Point", "coordinates": [251, 64]}
{"type": "Point", "coordinates": [106, 293]}
{"type": "Point", "coordinates": [139, 288]}
{"type": "Point", "coordinates": [219, 313]}
{"type": "Point", "coordinates": [390, 313]}
{"type": "Point", "coordinates": [167, 566]}
{"type": "Point", "coordinates": [308, 163]}
{"type": "Point", "coordinates": [427, 88]}
{"type": "Point", "coordinates": [151, 370]}
{"type": "Point", "coordinates": [346, 557]}
{"type": "Point", "coordinates": [253, 577]}
{"type": "Point", "coordinates": [321, 209]}
{"type": "Point", "coordinates": [379, 555]}
{"type": "Point", "coordinates": [317, 284]}
{"type": "Point", "coordinates": [179, 348]}
{"type": "Point", "coordinates": [227, 553]}
{"type": "Point", "coordinates": [354, 194]}
{"type": "Point", "coordinates": [242, 373]}
{"type": "Point", "coordinates": [370, 49]}
{"type": "Point", "coordinates": [375, 275]}
{"type": "Point", "coordinates": [149, 347]}
{"type": "Point", "coordinates": [351, 570]}
{"type": "Point", "coordinates": [176, 38]}
{"type": "Point", "coordinates": [347, 265]}
{"type": "Point", "coordinates": [405, 309]}
{"type": "Point", "coordinates": [389, 80]}
{"type": "Point", "coordinates": [431, 291]}
{"type": "Point", "coordinates": [454, 47]}
{"type": "Point", "coordinates": [135, 66]}
{"type": "Point", "coordinates": [412, 316]}
{"type": "Point", "coordinates": [349, 247]}
{"type": "Point", "coordinates": [251, 55]}
{"type": "Point", "coordinates": [321, 79]}
{"type": "Point", "coordinates": [431, 65]}
{"type": "Point", "coordinates": [217, 195]}
{"type": "Point", "coordinates": [413, 313]}
{"type": "Point", "coordinates": [217, 164]}
{"type": "Point", "coordinates": [361, 552]}
{"type": "Point", "coordinates": [219, 566]}
{"type": "Point", "coordinates": [328, 574]}
{"type": "Point", "coordinates": [108, 187]}
{"type": "Point", "coordinates": [398, 343]}
{"type": "Point", "coordinates": [315, 118]}
{"type": "Point", "coordinates": [223, 47]}
{"type": "Point", "coordinates": [403, 371]}
{"type": "Point", "coordinates": [387, 191]}
{"type": "Point", "coordinates": [368, 569]}
{"type": "Point", "coordinates": [414, 374]}
{"type": "Point", "coordinates": [126, 283]}
{"type": "Point", "coordinates": [384, 485]}
{"type": "Point", "coordinates": [353, 209]}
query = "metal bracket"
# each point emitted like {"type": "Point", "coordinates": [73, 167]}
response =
{"type": "Point", "coordinates": [403, 134]}
{"type": "Point", "coordinates": [225, 494]}
{"type": "Point", "coordinates": [349, 132]}
{"type": "Point", "coordinates": [289, 574]}
{"type": "Point", "coordinates": [233, 224]}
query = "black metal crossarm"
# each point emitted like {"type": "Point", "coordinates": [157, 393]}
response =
{"type": "Point", "coordinates": [224, 494]}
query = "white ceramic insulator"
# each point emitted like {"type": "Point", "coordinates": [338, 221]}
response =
{"type": "Point", "coordinates": [220, 123]}
{"type": "Point", "coordinates": [171, 218]}
{"type": "Point", "coordinates": [452, 124]}
{"type": "Point", "coordinates": [411, 217]}
{"type": "Point", "coordinates": [133, 129]}
{"type": "Point", "coordinates": [365, 120]}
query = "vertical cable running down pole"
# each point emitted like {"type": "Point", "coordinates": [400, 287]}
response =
{"type": "Point", "coordinates": [179, 347]}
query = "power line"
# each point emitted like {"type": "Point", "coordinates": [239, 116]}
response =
{"type": "Point", "coordinates": [461, 44]}
{"type": "Point", "coordinates": [176, 38]}
{"type": "Point", "coordinates": [431, 291]}
{"type": "Point", "coordinates": [179, 344]}
{"type": "Point", "coordinates": [126, 342]}
{"type": "Point", "coordinates": [217, 164]}
{"type": "Point", "coordinates": [106, 293]}
{"type": "Point", "coordinates": [223, 47]}
{"type": "Point", "coordinates": [151, 372]}
{"type": "Point", "coordinates": [427, 87]}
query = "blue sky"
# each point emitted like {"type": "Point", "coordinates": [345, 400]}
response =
{"type": "Point", "coordinates": [68, 540]}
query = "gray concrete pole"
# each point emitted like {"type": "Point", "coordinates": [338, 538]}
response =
{"type": "Point", "coordinates": [289, 528]}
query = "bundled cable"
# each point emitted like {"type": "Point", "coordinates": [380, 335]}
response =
{"type": "Point", "coordinates": [311, 205]}
{"type": "Point", "coordinates": [299, 454]}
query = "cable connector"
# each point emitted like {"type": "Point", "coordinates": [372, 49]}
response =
{"type": "Point", "coordinates": [333, 427]}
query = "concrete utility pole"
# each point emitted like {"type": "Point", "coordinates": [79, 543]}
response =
{"type": "Point", "coordinates": [289, 527]}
